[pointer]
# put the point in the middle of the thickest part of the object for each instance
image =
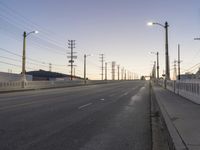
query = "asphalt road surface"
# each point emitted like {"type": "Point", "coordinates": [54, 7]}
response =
{"type": "Point", "coordinates": [96, 117]}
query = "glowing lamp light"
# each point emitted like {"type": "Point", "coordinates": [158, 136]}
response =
{"type": "Point", "coordinates": [150, 23]}
{"type": "Point", "coordinates": [36, 32]}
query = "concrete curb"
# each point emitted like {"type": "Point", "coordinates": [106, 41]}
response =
{"type": "Point", "coordinates": [174, 139]}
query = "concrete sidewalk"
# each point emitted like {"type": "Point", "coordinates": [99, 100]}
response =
{"type": "Point", "coordinates": [182, 119]}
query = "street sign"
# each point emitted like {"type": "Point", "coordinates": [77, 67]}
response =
{"type": "Point", "coordinates": [71, 61]}
{"type": "Point", "coordinates": [72, 65]}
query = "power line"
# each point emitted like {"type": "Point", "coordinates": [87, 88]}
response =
{"type": "Point", "coordinates": [194, 66]}
{"type": "Point", "coordinates": [2, 49]}
{"type": "Point", "coordinates": [41, 41]}
{"type": "Point", "coordinates": [27, 21]}
{"type": "Point", "coordinates": [10, 58]}
{"type": "Point", "coordinates": [37, 42]}
{"type": "Point", "coordinates": [14, 65]}
{"type": "Point", "coordinates": [10, 64]}
{"type": "Point", "coordinates": [30, 59]}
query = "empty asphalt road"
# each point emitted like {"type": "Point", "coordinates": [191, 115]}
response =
{"type": "Point", "coordinates": [96, 117]}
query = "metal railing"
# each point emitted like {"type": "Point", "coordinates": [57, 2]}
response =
{"type": "Point", "coordinates": [189, 89]}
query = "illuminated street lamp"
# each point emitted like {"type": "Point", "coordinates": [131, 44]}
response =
{"type": "Point", "coordinates": [165, 26]}
{"type": "Point", "coordinates": [24, 52]}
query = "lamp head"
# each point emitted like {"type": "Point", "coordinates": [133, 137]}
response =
{"type": "Point", "coordinates": [150, 23]}
{"type": "Point", "coordinates": [36, 32]}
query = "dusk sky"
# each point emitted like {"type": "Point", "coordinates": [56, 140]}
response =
{"type": "Point", "coordinates": [116, 28]}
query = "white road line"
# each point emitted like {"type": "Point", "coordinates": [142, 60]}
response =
{"type": "Point", "coordinates": [84, 105]}
{"type": "Point", "coordinates": [102, 99]}
{"type": "Point", "coordinates": [126, 93]}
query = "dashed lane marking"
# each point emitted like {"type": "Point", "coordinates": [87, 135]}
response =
{"type": "Point", "coordinates": [84, 105]}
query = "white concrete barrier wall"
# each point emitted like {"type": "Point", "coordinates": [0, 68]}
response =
{"type": "Point", "coordinates": [189, 89]}
{"type": "Point", "coordinates": [8, 86]}
{"type": "Point", "coordinates": [19, 85]}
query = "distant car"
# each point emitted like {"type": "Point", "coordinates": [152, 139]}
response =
{"type": "Point", "coordinates": [142, 78]}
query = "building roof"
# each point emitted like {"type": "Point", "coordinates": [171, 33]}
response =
{"type": "Point", "coordinates": [48, 74]}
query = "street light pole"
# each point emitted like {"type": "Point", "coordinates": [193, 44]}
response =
{"type": "Point", "coordinates": [157, 65]}
{"type": "Point", "coordinates": [24, 53]}
{"type": "Point", "coordinates": [179, 61]}
{"type": "Point", "coordinates": [106, 71]}
{"type": "Point", "coordinates": [167, 69]}
{"type": "Point", "coordinates": [85, 68]}
{"type": "Point", "coordinates": [167, 52]}
{"type": "Point", "coordinates": [118, 71]}
{"type": "Point", "coordinates": [85, 57]}
{"type": "Point", "coordinates": [122, 73]}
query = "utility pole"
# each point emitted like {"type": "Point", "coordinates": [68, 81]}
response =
{"type": "Point", "coordinates": [122, 73]}
{"type": "Point", "coordinates": [118, 66]}
{"type": "Point", "coordinates": [106, 71]}
{"type": "Point", "coordinates": [179, 61]}
{"type": "Point", "coordinates": [71, 46]}
{"type": "Point", "coordinates": [102, 62]}
{"type": "Point", "coordinates": [113, 70]}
